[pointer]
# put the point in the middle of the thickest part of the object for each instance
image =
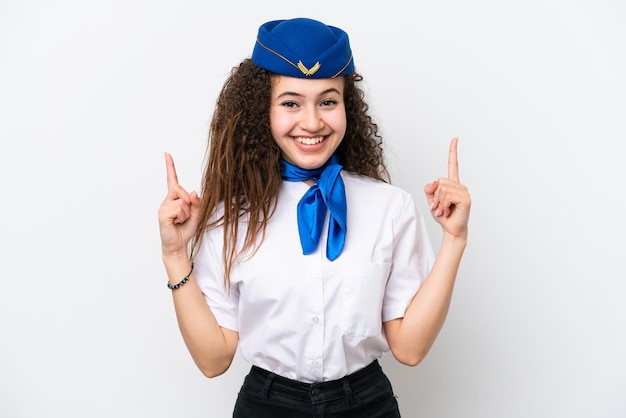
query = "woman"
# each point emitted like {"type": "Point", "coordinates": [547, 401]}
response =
{"type": "Point", "coordinates": [299, 252]}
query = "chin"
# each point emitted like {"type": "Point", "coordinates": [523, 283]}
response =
{"type": "Point", "coordinates": [310, 163]}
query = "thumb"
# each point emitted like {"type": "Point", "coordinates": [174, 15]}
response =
{"type": "Point", "coordinates": [430, 188]}
{"type": "Point", "coordinates": [195, 201]}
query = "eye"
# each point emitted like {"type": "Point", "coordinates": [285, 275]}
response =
{"type": "Point", "coordinates": [289, 104]}
{"type": "Point", "coordinates": [328, 102]}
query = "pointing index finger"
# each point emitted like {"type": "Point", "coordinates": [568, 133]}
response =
{"type": "Point", "coordinates": [172, 179]}
{"type": "Point", "coordinates": [453, 161]}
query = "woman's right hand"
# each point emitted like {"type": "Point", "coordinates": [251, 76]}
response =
{"type": "Point", "coordinates": [178, 215]}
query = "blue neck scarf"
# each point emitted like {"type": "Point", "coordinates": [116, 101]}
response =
{"type": "Point", "coordinates": [328, 193]}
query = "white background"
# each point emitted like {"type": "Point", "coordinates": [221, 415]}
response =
{"type": "Point", "coordinates": [92, 93]}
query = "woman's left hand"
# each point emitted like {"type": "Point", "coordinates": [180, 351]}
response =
{"type": "Point", "coordinates": [448, 199]}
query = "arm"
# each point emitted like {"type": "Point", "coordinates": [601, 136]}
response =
{"type": "Point", "coordinates": [211, 346]}
{"type": "Point", "coordinates": [411, 337]}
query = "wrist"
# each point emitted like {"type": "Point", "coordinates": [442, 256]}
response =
{"type": "Point", "coordinates": [176, 263]}
{"type": "Point", "coordinates": [172, 286]}
{"type": "Point", "coordinates": [454, 240]}
{"type": "Point", "coordinates": [177, 267]}
{"type": "Point", "coordinates": [175, 256]}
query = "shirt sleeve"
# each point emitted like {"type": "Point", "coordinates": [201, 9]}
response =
{"type": "Point", "coordinates": [412, 260]}
{"type": "Point", "coordinates": [209, 273]}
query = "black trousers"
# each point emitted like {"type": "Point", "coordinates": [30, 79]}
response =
{"type": "Point", "coordinates": [364, 394]}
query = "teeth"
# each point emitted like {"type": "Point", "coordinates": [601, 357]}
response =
{"type": "Point", "coordinates": [309, 141]}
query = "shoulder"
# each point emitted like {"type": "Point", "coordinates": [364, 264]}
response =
{"type": "Point", "coordinates": [375, 196]}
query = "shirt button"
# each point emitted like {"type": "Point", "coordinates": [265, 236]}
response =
{"type": "Point", "coordinates": [316, 320]}
{"type": "Point", "coordinates": [314, 275]}
{"type": "Point", "coordinates": [315, 364]}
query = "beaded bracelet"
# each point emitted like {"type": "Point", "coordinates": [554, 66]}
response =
{"type": "Point", "coordinates": [182, 282]}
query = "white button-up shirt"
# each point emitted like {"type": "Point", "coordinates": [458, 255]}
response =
{"type": "Point", "coordinates": [305, 317]}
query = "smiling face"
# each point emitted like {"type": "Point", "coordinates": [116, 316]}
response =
{"type": "Point", "coordinates": [307, 118]}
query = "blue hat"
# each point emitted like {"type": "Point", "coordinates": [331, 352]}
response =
{"type": "Point", "coordinates": [303, 48]}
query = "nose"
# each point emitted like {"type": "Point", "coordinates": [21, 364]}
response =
{"type": "Point", "coordinates": [312, 120]}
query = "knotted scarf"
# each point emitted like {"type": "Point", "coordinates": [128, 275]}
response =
{"type": "Point", "coordinates": [328, 193]}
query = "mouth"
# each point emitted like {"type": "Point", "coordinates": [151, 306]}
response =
{"type": "Point", "coordinates": [308, 140]}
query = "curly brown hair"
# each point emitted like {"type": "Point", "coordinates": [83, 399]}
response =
{"type": "Point", "coordinates": [243, 171]}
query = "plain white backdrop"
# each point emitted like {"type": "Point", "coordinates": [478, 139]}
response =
{"type": "Point", "coordinates": [92, 94]}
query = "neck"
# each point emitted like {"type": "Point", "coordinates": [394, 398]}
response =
{"type": "Point", "coordinates": [292, 172]}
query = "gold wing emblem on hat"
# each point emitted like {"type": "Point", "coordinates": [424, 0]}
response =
{"type": "Point", "coordinates": [307, 71]}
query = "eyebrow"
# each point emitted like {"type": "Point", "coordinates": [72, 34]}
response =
{"type": "Point", "coordinates": [293, 93]}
